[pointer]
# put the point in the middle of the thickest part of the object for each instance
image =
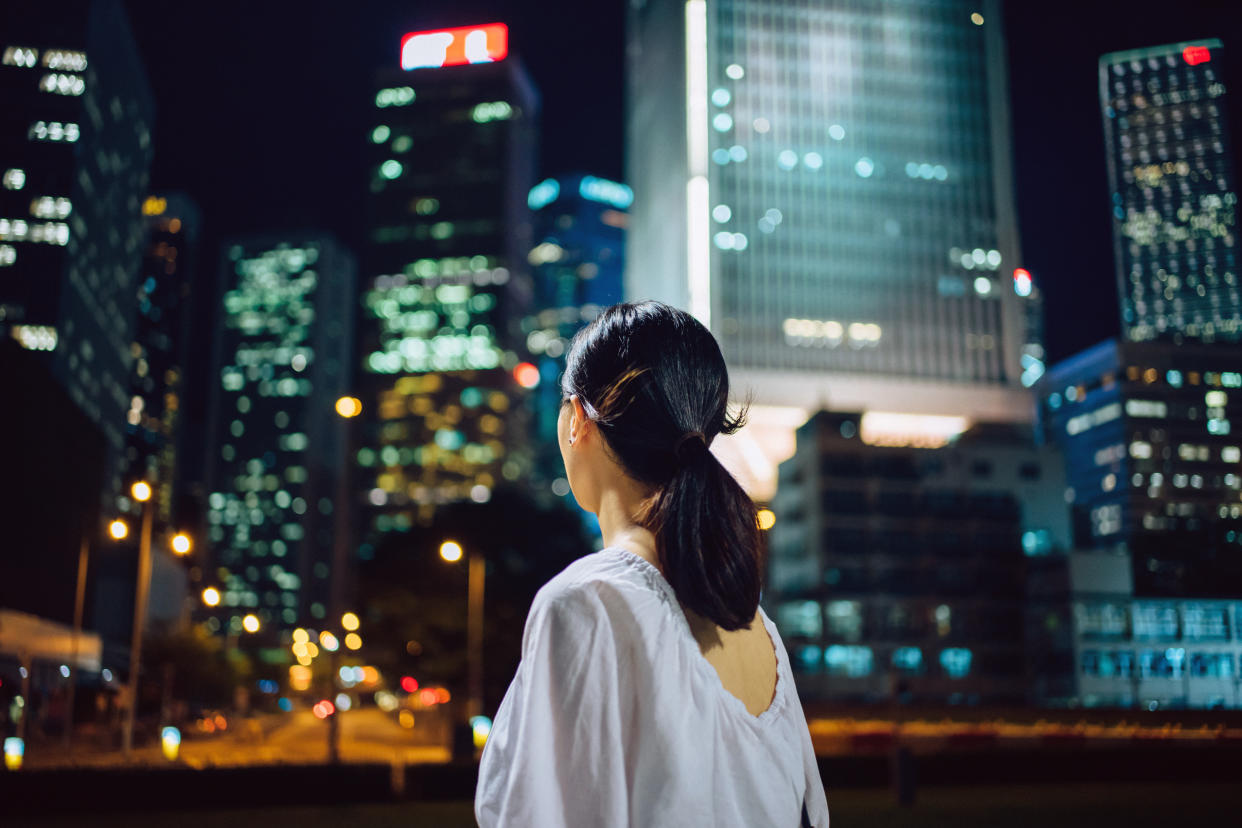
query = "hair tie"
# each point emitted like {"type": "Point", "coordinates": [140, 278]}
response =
{"type": "Point", "coordinates": [691, 445]}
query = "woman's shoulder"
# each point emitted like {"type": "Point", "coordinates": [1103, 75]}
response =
{"type": "Point", "coordinates": [613, 585]}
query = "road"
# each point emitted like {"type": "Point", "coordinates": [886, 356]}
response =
{"type": "Point", "coordinates": [367, 735]}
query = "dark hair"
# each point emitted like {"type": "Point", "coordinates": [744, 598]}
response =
{"type": "Point", "coordinates": [654, 380]}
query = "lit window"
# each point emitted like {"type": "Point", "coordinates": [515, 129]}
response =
{"type": "Point", "coordinates": [68, 61]}
{"type": "Point", "coordinates": [800, 618]}
{"type": "Point", "coordinates": [813, 160]}
{"type": "Point", "coordinates": [723, 122]}
{"type": "Point", "coordinates": [836, 132]}
{"type": "Point", "coordinates": [955, 661]}
{"type": "Point", "coordinates": [848, 660]}
{"type": "Point", "coordinates": [721, 213]}
{"type": "Point", "coordinates": [908, 660]}
{"type": "Point", "coordinates": [721, 97]}
{"type": "Point", "coordinates": [60, 84]}
{"type": "Point", "coordinates": [14, 179]}
{"type": "Point", "coordinates": [864, 167]}
{"type": "Point", "coordinates": [380, 134]}
{"type": "Point", "coordinates": [735, 71]}
{"type": "Point", "coordinates": [787, 160]}
{"type": "Point", "coordinates": [19, 56]}
{"type": "Point", "coordinates": [391, 169]}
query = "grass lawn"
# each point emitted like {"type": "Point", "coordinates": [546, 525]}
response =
{"type": "Point", "coordinates": [1062, 806]}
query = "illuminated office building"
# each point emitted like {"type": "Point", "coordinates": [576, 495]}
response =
{"type": "Point", "coordinates": [576, 265]}
{"type": "Point", "coordinates": [159, 348]}
{"type": "Point", "coordinates": [276, 444]}
{"type": "Point", "coordinates": [1149, 600]}
{"type": "Point", "coordinates": [828, 186]}
{"type": "Point", "coordinates": [75, 147]}
{"type": "Point", "coordinates": [1174, 198]}
{"type": "Point", "coordinates": [898, 555]}
{"type": "Point", "coordinates": [445, 285]}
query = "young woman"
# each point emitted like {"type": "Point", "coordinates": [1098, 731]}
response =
{"type": "Point", "coordinates": [652, 689]}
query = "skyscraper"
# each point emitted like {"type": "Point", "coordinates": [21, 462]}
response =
{"type": "Point", "coordinates": [828, 186]}
{"type": "Point", "coordinates": [576, 262]}
{"type": "Point", "coordinates": [1173, 192]}
{"type": "Point", "coordinates": [451, 154]}
{"type": "Point", "coordinates": [276, 447]}
{"type": "Point", "coordinates": [77, 146]}
{"type": "Point", "coordinates": [159, 347]}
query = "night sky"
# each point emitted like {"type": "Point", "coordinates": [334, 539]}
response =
{"type": "Point", "coordinates": [263, 108]}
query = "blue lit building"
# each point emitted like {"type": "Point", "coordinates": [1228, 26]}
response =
{"type": "Point", "coordinates": [451, 154]}
{"type": "Point", "coordinates": [828, 186]}
{"type": "Point", "coordinates": [76, 144]}
{"type": "Point", "coordinates": [276, 446]}
{"type": "Point", "coordinates": [897, 560]}
{"type": "Point", "coordinates": [1174, 196]}
{"type": "Point", "coordinates": [576, 265]}
{"type": "Point", "coordinates": [1155, 488]}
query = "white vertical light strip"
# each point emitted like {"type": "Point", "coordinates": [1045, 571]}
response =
{"type": "Point", "coordinates": [698, 225]}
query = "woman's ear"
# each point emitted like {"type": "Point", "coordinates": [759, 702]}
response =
{"type": "Point", "coordinates": [579, 422]}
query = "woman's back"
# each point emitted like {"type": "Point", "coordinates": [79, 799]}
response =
{"type": "Point", "coordinates": [616, 717]}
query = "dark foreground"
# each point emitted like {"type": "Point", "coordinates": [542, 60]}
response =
{"type": "Point", "coordinates": [1014, 806]}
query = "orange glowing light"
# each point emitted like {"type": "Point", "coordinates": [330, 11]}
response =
{"type": "Point", "coordinates": [427, 696]}
{"type": "Point", "coordinates": [349, 407]}
{"type": "Point", "coordinates": [527, 375]}
{"type": "Point", "coordinates": [118, 529]}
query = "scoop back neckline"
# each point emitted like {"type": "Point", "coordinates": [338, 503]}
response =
{"type": "Point", "coordinates": [661, 585]}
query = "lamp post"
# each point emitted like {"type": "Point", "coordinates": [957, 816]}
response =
{"type": "Point", "coordinates": [451, 551]}
{"type": "Point", "coordinates": [142, 493]}
{"type": "Point", "coordinates": [347, 408]}
{"type": "Point", "coordinates": [79, 599]}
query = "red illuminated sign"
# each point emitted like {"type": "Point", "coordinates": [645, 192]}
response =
{"type": "Point", "coordinates": [1194, 55]}
{"type": "Point", "coordinates": [455, 47]}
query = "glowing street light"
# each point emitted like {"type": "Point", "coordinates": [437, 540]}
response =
{"type": "Point", "coordinates": [251, 623]}
{"type": "Point", "coordinates": [353, 641]}
{"type": "Point", "coordinates": [181, 543]}
{"type": "Point", "coordinates": [349, 621]}
{"type": "Point", "coordinates": [767, 519]}
{"type": "Point", "coordinates": [118, 529]}
{"type": "Point", "coordinates": [211, 597]}
{"type": "Point", "coordinates": [450, 551]}
{"type": "Point", "coordinates": [141, 491]}
{"type": "Point", "coordinates": [349, 407]}
{"type": "Point", "coordinates": [328, 641]}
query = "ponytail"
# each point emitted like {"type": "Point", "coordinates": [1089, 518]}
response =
{"type": "Point", "coordinates": [707, 537]}
{"type": "Point", "coordinates": [659, 389]}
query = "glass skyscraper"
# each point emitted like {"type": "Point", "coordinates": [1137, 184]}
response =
{"type": "Point", "coordinates": [276, 445]}
{"type": "Point", "coordinates": [576, 266]}
{"type": "Point", "coordinates": [451, 160]}
{"type": "Point", "coordinates": [76, 144]}
{"type": "Point", "coordinates": [827, 184]}
{"type": "Point", "coordinates": [1173, 191]}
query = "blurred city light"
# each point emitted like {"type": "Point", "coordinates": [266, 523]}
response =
{"type": "Point", "coordinates": [141, 491]}
{"type": "Point", "coordinates": [170, 743]}
{"type": "Point", "coordinates": [329, 642]}
{"type": "Point", "coordinates": [14, 750]}
{"type": "Point", "coordinates": [343, 702]}
{"type": "Point", "coordinates": [323, 709]}
{"type": "Point", "coordinates": [118, 529]}
{"type": "Point", "coordinates": [349, 407]}
{"type": "Point", "coordinates": [300, 636]}
{"type": "Point", "coordinates": [767, 519]}
{"type": "Point", "coordinates": [299, 677]}
{"type": "Point", "coordinates": [181, 543]}
{"type": "Point", "coordinates": [211, 597]}
{"type": "Point", "coordinates": [481, 727]}
{"type": "Point", "coordinates": [406, 718]}
{"type": "Point", "coordinates": [450, 551]}
{"type": "Point", "coordinates": [409, 684]}
{"type": "Point", "coordinates": [527, 375]}
{"type": "Point", "coordinates": [883, 428]}
{"type": "Point", "coordinates": [349, 621]}
{"type": "Point", "coordinates": [353, 641]}
{"type": "Point", "coordinates": [251, 623]}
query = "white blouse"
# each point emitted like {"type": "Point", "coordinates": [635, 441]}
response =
{"type": "Point", "coordinates": [615, 718]}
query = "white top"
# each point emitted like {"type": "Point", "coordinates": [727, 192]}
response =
{"type": "Point", "coordinates": [615, 718]}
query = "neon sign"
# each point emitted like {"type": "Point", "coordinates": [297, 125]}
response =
{"type": "Point", "coordinates": [1194, 55]}
{"type": "Point", "coordinates": [455, 47]}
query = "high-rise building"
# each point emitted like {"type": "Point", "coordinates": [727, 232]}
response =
{"type": "Point", "coordinates": [828, 186]}
{"type": "Point", "coordinates": [159, 348]}
{"type": "Point", "coordinates": [276, 446]}
{"type": "Point", "coordinates": [896, 562]}
{"type": "Point", "coordinates": [451, 159]}
{"type": "Point", "coordinates": [1152, 460]}
{"type": "Point", "coordinates": [1173, 192]}
{"type": "Point", "coordinates": [77, 145]}
{"type": "Point", "coordinates": [576, 262]}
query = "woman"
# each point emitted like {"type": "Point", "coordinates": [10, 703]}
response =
{"type": "Point", "coordinates": [652, 689]}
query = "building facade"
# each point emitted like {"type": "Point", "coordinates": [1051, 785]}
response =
{"type": "Point", "coordinates": [77, 144]}
{"type": "Point", "coordinates": [445, 284]}
{"type": "Point", "coordinates": [1174, 196]}
{"type": "Point", "coordinates": [276, 446]}
{"type": "Point", "coordinates": [828, 186]}
{"type": "Point", "coordinates": [576, 266]}
{"type": "Point", "coordinates": [897, 559]}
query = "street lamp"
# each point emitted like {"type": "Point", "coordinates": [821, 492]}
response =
{"type": "Point", "coordinates": [451, 551]}
{"type": "Point", "coordinates": [211, 597]}
{"type": "Point", "coordinates": [181, 543]}
{"type": "Point", "coordinates": [251, 623]}
{"type": "Point", "coordinates": [118, 529]}
{"type": "Point", "coordinates": [142, 493]}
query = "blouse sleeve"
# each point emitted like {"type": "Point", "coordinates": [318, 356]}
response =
{"type": "Point", "coordinates": [555, 755]}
